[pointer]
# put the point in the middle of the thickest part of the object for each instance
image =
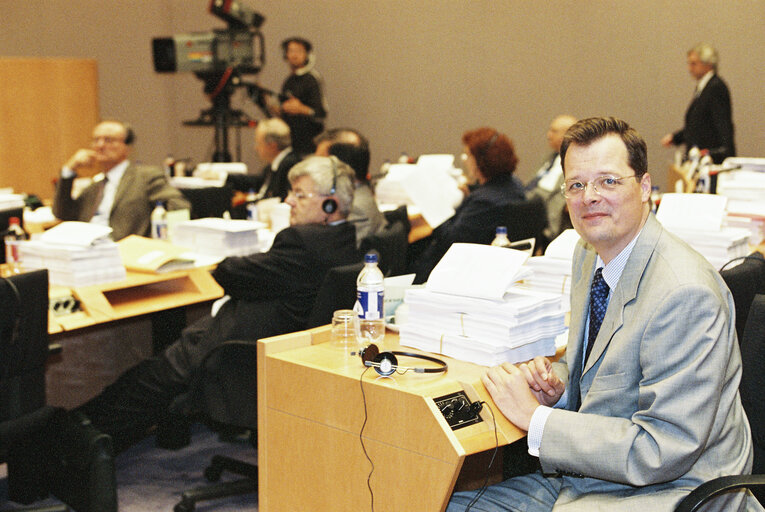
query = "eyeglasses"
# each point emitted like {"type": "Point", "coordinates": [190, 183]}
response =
{"type": "Point", "coordinates": [303, 195]}
{"type": "Point", "coordinates": [602, 185]}
{"type": "Point", "coordinates": [106, 140]}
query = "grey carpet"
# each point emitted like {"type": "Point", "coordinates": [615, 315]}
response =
{"type": "Point", "coordinates": [152, 479]}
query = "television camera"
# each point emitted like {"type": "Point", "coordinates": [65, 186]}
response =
{"type": "Point", "coordinates": [219, 58]}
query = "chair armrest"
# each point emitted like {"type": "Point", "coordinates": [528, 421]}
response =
{"type": "Point", "coordinates": [708, 490]}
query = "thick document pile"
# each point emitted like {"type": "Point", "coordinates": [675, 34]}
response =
{"type": "Point", "coordinates": [698, 220]}
{"type": "Point", "coordinates": [474, 311]}
{"type": "Point", "coordinates": [75, 254]}
{"type": "Point", "coordinates": [552, 272]}
{"type": "Point", "coordinates": [221, 237]}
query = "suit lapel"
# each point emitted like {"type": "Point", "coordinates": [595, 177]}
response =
{"type": "Point", "coordinates": [580, 296]}
{"type": "Point", "coordinates": [124, 187]}
{"type": "Point", "coordinates": [626, 289]}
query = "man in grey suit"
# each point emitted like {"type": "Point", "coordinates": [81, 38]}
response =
{"type": "Point", "coordinates": [645, 405]}
{"type": "Point", "coordinates": [122, 194]}
{"type": "Point", "coordinates": [352, 147]}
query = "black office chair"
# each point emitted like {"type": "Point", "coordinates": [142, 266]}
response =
{"type": "Point", "coordinates": [227, 390]}
{"type": "Point", "coordinates": [400, 214]}
{"type": "Point", "coordinates": [526, 219]}
{"type": "Point", "coordinates": [337, 291]}
{"type": "Point", "coordinates": [391, 244]}
{"type": "Point", "coordinates": [208, 201]}
{"type": "Point", "coordinates": [745, 278]}
{"type": "Point", "coordinates": [752, 382]}
{"type": "Point", "coordinates": [23, 352]}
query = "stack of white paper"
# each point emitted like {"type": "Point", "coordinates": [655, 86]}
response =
{"type": "Point", "coordinates": [551, 273]}
{"type": "Point", "coordinates": [10, 201]}
{"type": "Point", "coordinates": [75, 254]}
{"type": "Point", "coordinates": [471, 309]}
{"type": "Point", "coordinates": [745, 190]}
{"type": "Point", "coordinates": [221, 237]}
{"type": "Point", "coordinates": [429, 185]}
{"type": "Point", "coordinates": [698, 220]}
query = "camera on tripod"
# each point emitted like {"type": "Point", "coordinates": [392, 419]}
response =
{"type": "Point", "coordinates": [217, 50]}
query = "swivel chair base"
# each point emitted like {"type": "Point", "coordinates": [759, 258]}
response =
{"type": "Point", "coordinates": [213, 472]}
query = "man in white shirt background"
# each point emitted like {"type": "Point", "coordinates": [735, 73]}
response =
{"type": "Point", "coordinates": [121, 195]}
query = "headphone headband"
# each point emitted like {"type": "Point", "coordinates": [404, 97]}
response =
{"type": "Point", "coordinates": [385, 363]}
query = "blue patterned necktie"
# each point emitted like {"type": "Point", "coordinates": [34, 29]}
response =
{"type": "Point", "coordinates": [598, 306]}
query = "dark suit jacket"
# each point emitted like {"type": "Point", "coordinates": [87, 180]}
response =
{"type": "Point", "coordinates": [137, 193]}
{"type": "Point", "coordinates": [709, 122]}
{"type": "Point", "coordinates": [278, 184]}
{"type": "Point", "coordinates": [474, 221]}
{"type": "Point", "coordinates": [271, 293]}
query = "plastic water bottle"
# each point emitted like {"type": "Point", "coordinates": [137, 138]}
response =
{"type": "Point", "coordinates": [251, 206]}
{"type": "Point", "coordinates": [11, 238]}
{"type": "Point", "coordinates": [500, 239]}
{"type": "Point", "coordinates": [159, 222]}
{"type": "Point", "coordinates": [369, 302]}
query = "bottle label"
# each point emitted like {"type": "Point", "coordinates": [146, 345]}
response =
{"type": "Point", "coordinates": [252, 211]}
{"type": "Point", "coordinates": [369, 304]}
{"type": "Point", "coordinates": [159, 230]}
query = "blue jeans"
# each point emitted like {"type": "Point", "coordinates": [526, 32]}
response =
{"type": "Point", "coordinates": [525, 493]}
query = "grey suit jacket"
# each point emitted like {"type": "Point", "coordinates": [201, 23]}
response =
{"type": "Point", "coordinates": [137, 193]}
{"type": "Point", "coordinates": [660, 409]}
{"type": "Point", "coordinates": [365, 215]}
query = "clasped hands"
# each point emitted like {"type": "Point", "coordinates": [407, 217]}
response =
{"type": "Point", "coordinates": [519, 389]}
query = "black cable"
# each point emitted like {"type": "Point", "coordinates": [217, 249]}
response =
{"type": "Point", "coordinates": [361, 438]}
{"type": "Point", "coordinates": [482, 490]}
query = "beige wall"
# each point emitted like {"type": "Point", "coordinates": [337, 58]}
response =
{"type": "Point", "coordinates": [415, 75]}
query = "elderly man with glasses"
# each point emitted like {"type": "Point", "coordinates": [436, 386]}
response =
{"type": "Point", "coordinates": [267, 294]}
{"type": "Point", "coordinates": [122, 194]}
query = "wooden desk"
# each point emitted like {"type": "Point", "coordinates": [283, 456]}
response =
{"type": "Point", "coordinates": [121, 324]}
{"type": "Point", "coordinates": [138, 294]}
{"type": "Point", "coordinates": [311, 411]}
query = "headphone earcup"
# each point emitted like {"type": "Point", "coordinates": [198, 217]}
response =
{"type": "Point", "coordinates": [386, 363]}
{"type": "Point", "coordinates": [329, 206]}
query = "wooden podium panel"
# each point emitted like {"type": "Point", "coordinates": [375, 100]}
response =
{"type": "Point", "coordinates": [310, 415]}
{"type": "Point", "coordinates": [49, 107]}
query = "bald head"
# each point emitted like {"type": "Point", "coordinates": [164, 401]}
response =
{"type": "Point", "coordinates": [557, 130]}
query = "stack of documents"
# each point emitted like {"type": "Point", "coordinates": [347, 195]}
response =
{"type": "Point", "coordinates": [429, 185]}
{"type": "Point", "coordinates": [744, 186]}
{"type": "Point", "coordinates": [10, 201]}
{"type": "Point", "coordinates": [475, 312]}
{"type": "Point", "coordinates": [698, 220]}
{"type": "Point", "coordinates": [551, 273]}
{"type": "Point", "coordinates": [221, 237]}
{"type": "Point", "coordinates": [75, 254]}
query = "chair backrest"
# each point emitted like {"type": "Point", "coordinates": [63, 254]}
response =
{"type": "Point", "coordinates": [745, 280]}
{"type": "Point", "coordinates": [391, 244]}
{"type": "Point", "coordinates": [23, 343]}
{"type": "Point", "coordinates": [753, 378]}
{"type": "Point", "coordinates": [208, 201]}
{"type": "Point", "coordinates": [526, 219]}
{"type": "Point", "coordinates": [337, 291]}
{"type": "Point", "coordinates": [400, 214]}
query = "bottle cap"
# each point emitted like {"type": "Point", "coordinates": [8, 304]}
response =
{"type": "Point", "coordinates": [13, 220]}
{"type": "Point", "coordinates": [501, 230]}
{"type": "Point", "coordinates": [370, 257]}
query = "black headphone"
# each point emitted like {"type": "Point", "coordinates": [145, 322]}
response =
{"type": "Point", "coordinates": [385, 363]}
{"type": "Point", "coordinates": [129, 134]}
{"type": "Point", "coordinates": [330, 204]}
